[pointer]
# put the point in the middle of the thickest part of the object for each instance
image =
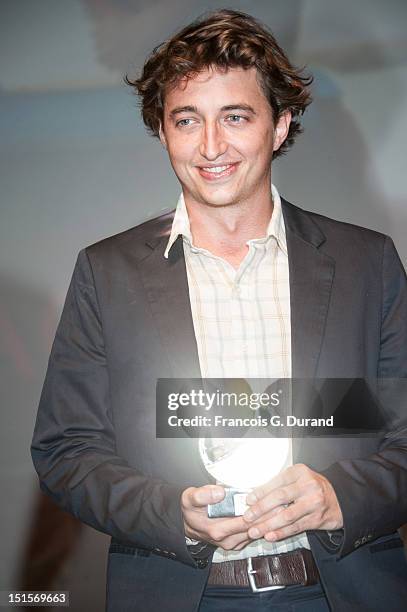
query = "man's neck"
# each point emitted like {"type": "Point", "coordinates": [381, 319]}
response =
{"type": "Point", "coordinates": [224, 231]}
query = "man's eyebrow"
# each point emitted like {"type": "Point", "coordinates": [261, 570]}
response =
{"type": "Point", "coordinates": [244, 107]}
{"type": "Point", "coordinates": [229, 107]}
{"type": "Point", "coordinates": [183, 109]}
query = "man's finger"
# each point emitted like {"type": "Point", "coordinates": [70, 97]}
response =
{"type": "Point", "coordinates": [287, 477]}
{"type": "Point", "coordinates": [293, 514]}
{"type": "Point", "coordinates": [266, 516]}
{"type": "Point", "coordinates": [234, 543]}
{"type": "Point", "coordinates": [221, 528]}
{"type": "Point", "coordinates": [281, 496]}
{"type": "Point", "coordinates": [202, 496]}
{"type": "Point", "coordinates": [287, 531]}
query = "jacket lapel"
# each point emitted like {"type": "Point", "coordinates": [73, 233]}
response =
{"type": "Point", "coordinates": [311, 277]}
{"type": "Point", "coordinates": [166, 284]}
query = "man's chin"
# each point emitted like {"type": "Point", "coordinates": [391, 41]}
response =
{"type": "Point", "coordinates": [220, 201]}
{"type": "Point", "coordinates": [214, 198]}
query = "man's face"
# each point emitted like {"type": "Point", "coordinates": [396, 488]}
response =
{"type": "Point", "coordinates": [219, 132]}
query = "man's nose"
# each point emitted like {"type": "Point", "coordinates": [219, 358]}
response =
{"type": "Point", "coordinates": [212, 144]}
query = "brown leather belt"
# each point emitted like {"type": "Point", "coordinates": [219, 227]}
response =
{"type": "Point", "coordinates": [267, 572]}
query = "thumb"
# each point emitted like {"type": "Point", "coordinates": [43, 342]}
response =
{"type": "Point", "coordinates": [208, 494]}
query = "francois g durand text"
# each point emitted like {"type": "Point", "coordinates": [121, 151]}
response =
{"type": "Point", "coordinates": [275, 421]}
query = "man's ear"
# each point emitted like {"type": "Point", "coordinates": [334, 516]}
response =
{"type": "Point", "coordinates": [162, 136]}
{"type": "Point", "coordinates": [281, 129]}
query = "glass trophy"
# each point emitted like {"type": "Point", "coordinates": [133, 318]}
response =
{"type": "Point", "coordinates": [241, 465]}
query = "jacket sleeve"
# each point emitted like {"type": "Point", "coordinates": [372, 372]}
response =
{"type": "Point", "coordinates": [73, 447]}
{"type": "Point", "coordinates": [372, 491]}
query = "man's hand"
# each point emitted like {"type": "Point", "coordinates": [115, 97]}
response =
{"type": "Point", "coordinates": [296, 500]}
{"type": "Point", "coordinates": [228, 533]}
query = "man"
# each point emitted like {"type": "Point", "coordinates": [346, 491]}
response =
{"type": "Point", "coordinates": [237, 283]}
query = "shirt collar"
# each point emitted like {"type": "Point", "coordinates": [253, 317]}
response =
{"type": "Point", "coordinates": [181, 226]}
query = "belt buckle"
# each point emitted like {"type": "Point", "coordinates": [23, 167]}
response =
{"type": "Point", "coordinates": [252, 581]}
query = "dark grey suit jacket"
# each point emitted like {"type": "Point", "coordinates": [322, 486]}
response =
{"type": "Point", "coordinates": [127, 321]}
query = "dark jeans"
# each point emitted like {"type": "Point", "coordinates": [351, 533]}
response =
{"type": "Point", "coordinates": [241, 599]}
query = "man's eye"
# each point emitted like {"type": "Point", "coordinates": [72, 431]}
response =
{"type": "Point", "coordinates": [236, 118]}
{"type": "Point", "coordinates": [183, 122]}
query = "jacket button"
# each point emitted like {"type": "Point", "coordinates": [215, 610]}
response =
{"type": "Point", "coordinates": [201, 563]}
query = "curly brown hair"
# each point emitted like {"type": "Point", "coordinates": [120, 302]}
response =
{"type": "Point", "coordinates": [225, 39]}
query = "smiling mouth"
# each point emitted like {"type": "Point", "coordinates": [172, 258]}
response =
{"type": "Point", "coordinates": [212, 173]}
